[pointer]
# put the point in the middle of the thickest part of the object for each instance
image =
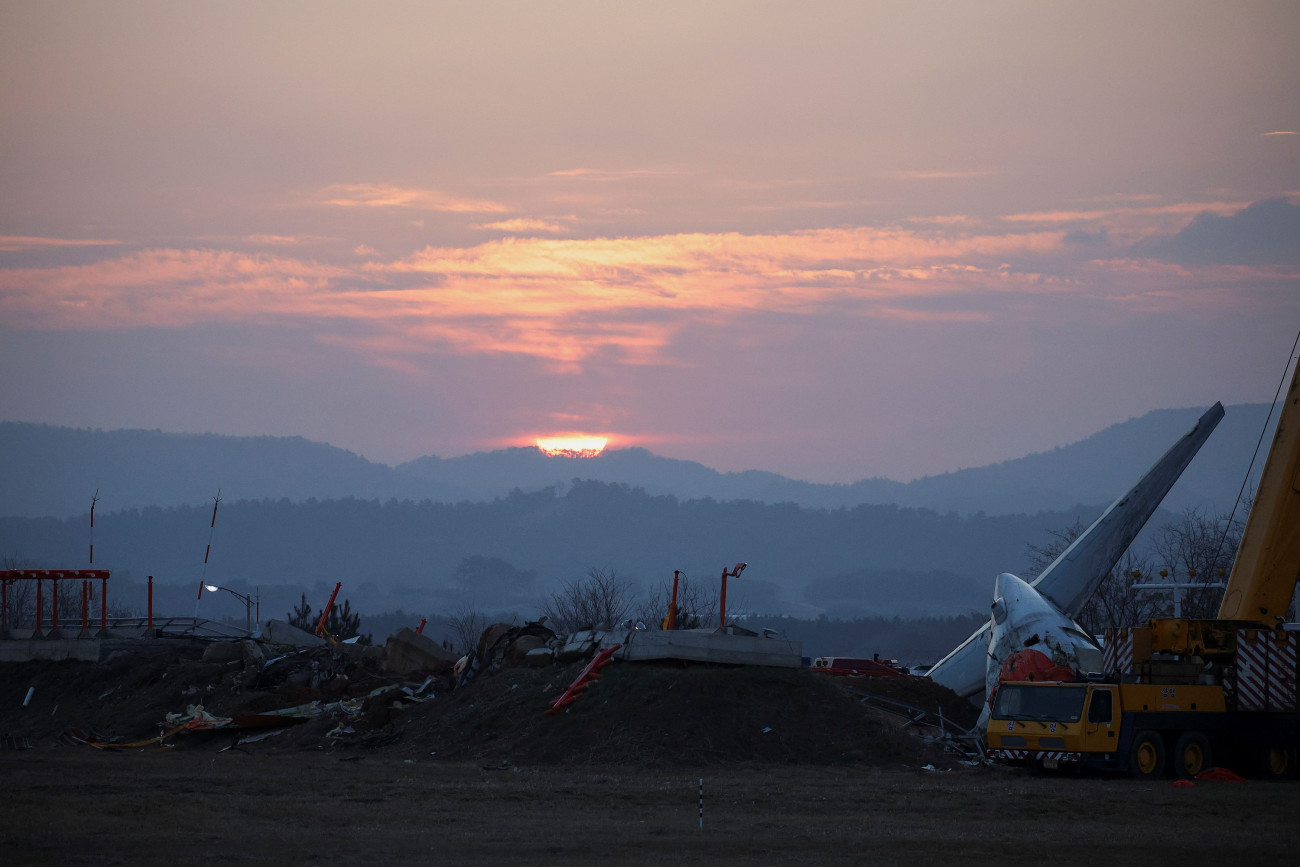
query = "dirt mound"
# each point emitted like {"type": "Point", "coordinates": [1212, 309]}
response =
{"type": "Point", "coordinates": [918, 692]}
{"type": "Point", "coordinates": [664, 714]}
{"type": "Point", "coordinates": [637, 714]}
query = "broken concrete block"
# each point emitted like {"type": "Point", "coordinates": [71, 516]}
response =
{"type": "Point", "coordinates": [490, 636]}
{"type": "Point", "coordinates": [279, 632]}
{"type": "Point", "coordinates": [712, 646]}
{"type": "Point", "coordinates": [539, 657]}
{"type": "Point", "coordinates": [521, 647]}
{"type": "Point", "coordinates": [577, 646]}
{"type": "Point", "coordinates": [252, 652]}
{"type": "Point", "coordinates": [407, 652]}
{"type": "Point", "coordinates": [222, 651]}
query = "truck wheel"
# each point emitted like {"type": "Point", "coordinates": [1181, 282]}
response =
{"type": "Point", "coordinates": [1192, 754]}
{"type": "Point", "coordinates": [1277, 762]}
{"type": "Point", "coordinates": [1146, 758]}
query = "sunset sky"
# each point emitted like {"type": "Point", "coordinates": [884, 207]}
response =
{"type": "Point", "coordinates": [831, 240]}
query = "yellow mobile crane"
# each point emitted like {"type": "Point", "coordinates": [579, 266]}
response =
{"type": "Point", "coordinates": [1179, 695]}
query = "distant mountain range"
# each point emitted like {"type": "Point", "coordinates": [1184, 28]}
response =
{"type": "Point", "coordinates": [53, 471]}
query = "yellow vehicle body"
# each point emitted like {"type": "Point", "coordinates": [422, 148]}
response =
{"type": "Point", "coordinates": [1263, 576]}
{"type": "Point", "coordinates": [1180, 693]}
{"type": "Point", "coordinates": [1096, 724]}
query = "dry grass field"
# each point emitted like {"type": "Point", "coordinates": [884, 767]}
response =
{"type": "Point", "coordinates": [69, 806]}
{"type": "Point", "coordinates": [796, 770]}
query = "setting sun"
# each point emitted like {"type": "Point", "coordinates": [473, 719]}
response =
{"type": "Point", "coordinates": [572, 447]}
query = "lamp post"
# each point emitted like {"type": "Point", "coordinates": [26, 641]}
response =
{"type": "Point", "coordinates": [722, 604]}
{"type": "Point", "coordinates": [248, 601]}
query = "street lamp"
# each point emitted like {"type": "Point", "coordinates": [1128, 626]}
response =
{"type": "Point", "coordinates": [249, 602]}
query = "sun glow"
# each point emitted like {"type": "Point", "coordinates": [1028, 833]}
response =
{"type": "Point", "coordinates": [572, 447]}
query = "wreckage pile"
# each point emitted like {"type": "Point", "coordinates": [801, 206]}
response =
{"type": "Point", "coordinates": [410, 698]}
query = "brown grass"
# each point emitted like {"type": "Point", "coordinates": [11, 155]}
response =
{"type": "Point", "coordinates": [78, 806]}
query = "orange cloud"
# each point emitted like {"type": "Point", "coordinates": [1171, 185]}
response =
{"type": "Point", "coordinates": [523, 225]}
{"type": "Point", "coordinates": [387, 196]}
{"type": "Point", "coordinates": [566, 301]}
{"type": "Point", "coordinates": [285, 240]}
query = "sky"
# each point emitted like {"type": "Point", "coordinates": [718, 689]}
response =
{"type": "Point", "coordinates": [830, 240]}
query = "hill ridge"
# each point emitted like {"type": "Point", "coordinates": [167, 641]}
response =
{"type": "Point", "coordinates": [48, 470]}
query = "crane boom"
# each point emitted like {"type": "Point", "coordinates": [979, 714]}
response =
{"type": "Point", "coordinates": [1267, 566]}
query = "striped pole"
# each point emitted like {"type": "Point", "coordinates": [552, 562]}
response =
{"type": "Point", "coordinates": [701, 803]}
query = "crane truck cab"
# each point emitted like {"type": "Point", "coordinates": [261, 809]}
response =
{"type": "Point", "coordinates": [1145, 729]}
{"type": "Point", "coordinates": [1228, 696]}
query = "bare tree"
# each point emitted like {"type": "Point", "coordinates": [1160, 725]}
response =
{"type": "Point", "coordinates": [1198, 549]}
{"type": "Point", "coordinates": [601, 600]}
{"type": "Point", "coordinates": [1116, 602]}
{"type": "Point", "coordinates": [697, 605]}
{"type": "Point", "coordinates": [468, 625]}
{"type": "Point", "coordinates": [1042, 556]}
{"type": "Point", "coordinates": [21, 595]}
{"type": "Point", "coordinates": [22, 604]}
{"type": "Point", "coordinates": [1194, 548]}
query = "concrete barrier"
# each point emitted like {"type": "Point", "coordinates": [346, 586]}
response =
{"type": "Point", "coordinates": [86, 649]}
{"type": "Point", "coordinates": [709, 646]}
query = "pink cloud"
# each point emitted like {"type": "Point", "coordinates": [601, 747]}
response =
{"type": "Point", "coordinates": [388, 196]}
{"type": "Point", "coordinates": [565, 301]}
{"type": "Point", "coordinates": [941, 175]}
{"type": "Point", "coordinates": [606, 174]}
{"type": "Point", "coordinates": [524, 225]}
{"type": "Point", "coordinates": [14, 243]}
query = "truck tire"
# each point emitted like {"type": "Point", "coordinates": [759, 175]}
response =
{"type": "Point", "coordinates": [1146, 758]}
{"type": "Point", "coordinates": [1277, 762]}
{"type": "Point", "coordinates": [1192, 754]}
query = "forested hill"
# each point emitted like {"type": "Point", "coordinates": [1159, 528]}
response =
{"type": "Point", "coordinates": [54, 471]}
{"type": "Point", "coordinates": [866, 559]}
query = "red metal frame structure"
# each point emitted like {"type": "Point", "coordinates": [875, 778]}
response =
{"type": "Point", "coordinates": [54, 576]}
{"type": "Point", "coordinates": [329, 606]}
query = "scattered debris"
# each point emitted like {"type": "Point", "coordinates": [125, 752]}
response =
{"type": "Point", "coordinates": [1220, 775]}
{"type": "Point", "coordinates": [284, 691]}
{"type": "Point", "coordinates": [407, 652]}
